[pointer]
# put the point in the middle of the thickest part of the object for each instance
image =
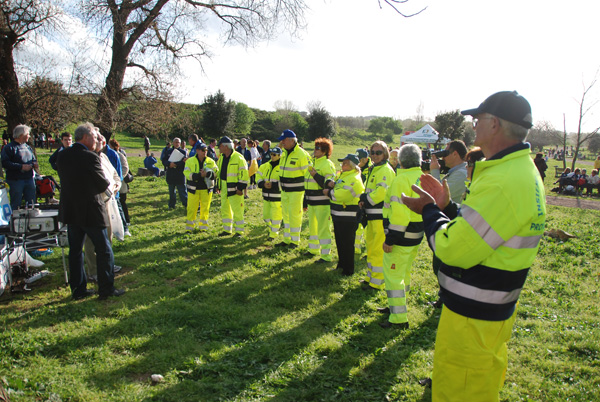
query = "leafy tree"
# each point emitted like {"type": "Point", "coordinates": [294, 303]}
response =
{"type": "Point", "coordinates": [290, 120]}
{"type": "Point", "coordinates": [244, 119]}
{"type": "Point", "coordinates": [47, 105]}
{"type": "Point", "coordinates": [264, 126]}
{"type": "Point", "coordinates": [320, 122]}
{"type": "Point", "coordinates": [18, 21]}
{"type": "Point", "coordinates": [450, 125]}
{"type": "Point", "coordinates": [385, 125]}
{"type": "Point", "coordinates": [594, 144]}
{"type": "Point", "coordinates": [218, 116]}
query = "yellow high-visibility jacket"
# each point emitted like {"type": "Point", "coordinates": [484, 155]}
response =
{"type": "Point", "coordinates": [487, 249]}
{"type": "Point", "coordinates": [233, 173]}
{"type": "Point", "coordinates": [379, 179]}
{"type": "Point", "coordinates": [293, 166]}
{"type": "Point", "coordinates": [403, 227]}
{"type": "Point", "coordinates": [269, 172]}
{"type": "Point", "coordinates": [314, 192]}
{"type": "Point", "coordinates": [344, 196]}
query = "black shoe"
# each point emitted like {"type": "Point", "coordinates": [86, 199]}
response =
{"type": "Point", "coordinates": [114, 293]}
{"type": "Point", "coordinates": [367, 287]}
{"type": "Point", "coordinates": [387, 324]}
{"type": "Point", "coordinates": [436, 304]}
{"type": "Point", "coordinates": [425, 382]}
{"type": "Point", "coordinates": [88, 293]}
{"type": "Point", "coordinates": [237, 235]}
{"type": "Point", "coordinates": [308, 254]}
{"type": "Point", "coordinates": [383, 310]}
{"type": "Point", "coordinates": [222, 234]}
{"type": "Point", "coordinates": [321, 261]}
{"type": "Point", "coordinates": [292, 245]}
{"type": "Point", "coordinates": [281, 244]}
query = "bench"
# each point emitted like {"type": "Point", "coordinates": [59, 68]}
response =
{"type": "Point", "coordinates": [558, 171]}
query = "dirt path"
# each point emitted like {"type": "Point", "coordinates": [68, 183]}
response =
{"type": "Point", "coordinates": [573, 202]}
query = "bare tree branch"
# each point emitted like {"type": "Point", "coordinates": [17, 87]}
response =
{"type": "Point", "coordinates": [393, 4]}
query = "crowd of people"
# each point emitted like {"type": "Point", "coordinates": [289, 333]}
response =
{"type": "Point", "coordinates": [483, 219]}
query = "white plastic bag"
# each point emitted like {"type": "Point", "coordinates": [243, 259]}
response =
{"type": "Point", "coordinates": [116, 223]}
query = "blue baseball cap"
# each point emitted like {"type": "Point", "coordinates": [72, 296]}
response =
{"type": "Point", "coordinates": [362, 153]}
{"type": "Point", "coordinates": [351, 157]}
{"type": "Point", "coordinates": [286, 134]}
{"type": "Point", "coordinates": [275, 150]}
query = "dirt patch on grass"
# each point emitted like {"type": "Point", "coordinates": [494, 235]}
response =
{"type": "Point", "coordinates": [573, 202]}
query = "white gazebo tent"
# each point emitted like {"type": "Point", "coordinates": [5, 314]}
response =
{"type": "Point", "coordinates": [425, 135]}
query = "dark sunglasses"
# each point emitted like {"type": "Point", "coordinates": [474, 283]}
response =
{"type": "Point", "coordinates": [378, 153]}
{"type": "Point", "coordinates": [274, 154]}
{"type": "Point", "coordinates": [317, 148]}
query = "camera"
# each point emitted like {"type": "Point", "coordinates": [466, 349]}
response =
{"type": "Point", "coordinates": [441, 154]}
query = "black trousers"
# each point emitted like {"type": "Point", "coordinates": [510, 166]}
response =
{"type": "Point", "coordinates": [344, 232]}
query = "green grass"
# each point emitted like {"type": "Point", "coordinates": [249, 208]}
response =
{"type": "Point", "coordinates": [226, 319]}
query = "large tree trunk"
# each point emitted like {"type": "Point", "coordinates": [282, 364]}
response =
{"type": "Point", "coordinates": [110, 97]}
{"type": "Point", "coordinates": [9, 85]}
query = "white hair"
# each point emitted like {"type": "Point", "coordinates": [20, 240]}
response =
{"type": "Point", "coordinates": [20, 130]}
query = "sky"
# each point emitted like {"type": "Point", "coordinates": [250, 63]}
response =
{"type": "Point", "coordinates": [358, 59]}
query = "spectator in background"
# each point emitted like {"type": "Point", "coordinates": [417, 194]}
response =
{"type": "Point", "coordinates": [173, 160]}
{"type": "Point", "coordinates": [265, 151]}
{"type": "Point", "coordinates": [473, 156]}
{"type": "Point", "coordinates": [597, 163]}
{"type": "Point", "coordinates": [593, 183]}
{"type": "Point", "coordinates": [146, 143]}
{"type": "Point", "coordinates": [457, 175]}
{"type": "Point", "coordinates": [394, 162]}
{"type": "Point", "coordinates": [210, 151]}
{"type": "Point", "coordinates": [150, 164]}
{"type": "Point", "coordinates": [254, 156]}
{"type": "Point", "coordinates": [194, 143]}
{"type": "Point", "coordinates": [20, 162]}
{"type": "Point", "coordinates": [66, 141]}
{"type": "Point", "coordinates": [540, 164]}
{"type": "Point", "coordinates": [114, 144]}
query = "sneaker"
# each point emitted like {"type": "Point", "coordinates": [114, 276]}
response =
{"type": "Point", "coordinates": [246, 197]}
{"type": "Point", "coordinates": [224, 234]}
{"type": "Point", "coordinates": [127, 233]}
{"type": "Point", "coordinates": [387, 324]}
{"type": "Point", "coordinates": [117, 268]}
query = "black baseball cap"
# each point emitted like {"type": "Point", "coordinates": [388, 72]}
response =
{"type": "Point", "coordinates": [507, 105]}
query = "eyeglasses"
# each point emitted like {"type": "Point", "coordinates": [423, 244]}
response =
{"type": "Point", "coordinates": [476, 120]}
{"type": "Point", "coordinates": [317, 148]}
{"type": "Point", "coordinates": [378, 153]}
{"type": "Point", "coordinates": [274, 154]}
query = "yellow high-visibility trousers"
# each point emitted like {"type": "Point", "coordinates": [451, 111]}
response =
{"type": "Point", "coordinates": [291, 208]}
{"type": "Point", "coordinates": [205, 200]}
{"type": "Point", "coordinates": [375, 240]}
{"type": "Point", "coordinates": [470, 358]}
{"type": "Point", "coordinates": [272, 217]}
{"type": "Point", "coordinates": [192, 210]}
{"type": "Point", "coordinates": [319, 227]}
{"type": "Point", "coordinates": [232, 212]}
{"type": "Point", "coordinates": [396, 269]}
{"type": "Point", "coordinates": [358, 239]}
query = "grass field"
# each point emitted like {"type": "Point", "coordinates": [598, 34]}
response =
{"type": "Point", "coordinates": [224, 319]}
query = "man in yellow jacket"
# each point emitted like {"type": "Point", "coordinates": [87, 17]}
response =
{"type": "Point", "coordinates": [233, 179]}
{"type": "Point", "coordinates": [200, 173]}
{"type": "Point", "coordinates": [404, 234]}
{"type": "Point", "coordinates": [292, 169]}
{"type": "Point", "coordinates": [268, 181]}
{"type": "Point", "coordinates": [486, 249]}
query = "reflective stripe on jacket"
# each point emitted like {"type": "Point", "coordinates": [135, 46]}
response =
{"type": "Point", "coordinates": [293, 168]}
{"type": "Point", "coordinates": [192, 166]}
{"type": "Point", "coordinates": [488, 248]}
{"type": "Point", "coordinates": [314, 192]}
{"type": "Point", "coordinates": [402, 226]}
{"type": "Point", "coordinates": [345, 196]}
{"type": "Point", "coordinates": [378, 181]}
{"type": "Point", "coordinates": [268, 173]}
{"type": "Point", "coordinates": [236, 173]}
